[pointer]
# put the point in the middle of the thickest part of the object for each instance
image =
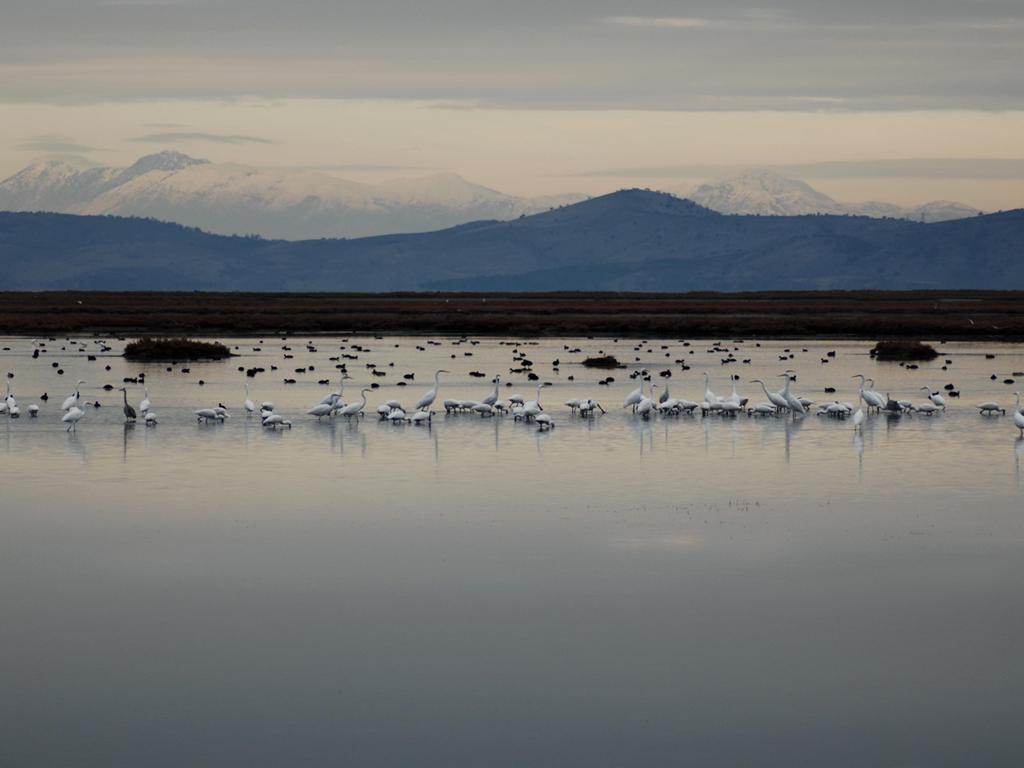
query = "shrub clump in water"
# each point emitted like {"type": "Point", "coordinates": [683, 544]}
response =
{"type": "Point", "coordinates": [172, 348]}
{"type": "Point", "coordinates": [903, 350]}
{"type": "Point", "coordinates": [608, 361]}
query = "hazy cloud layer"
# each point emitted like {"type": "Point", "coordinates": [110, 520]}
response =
{"type": "Point", "coordinates": [575, 54]}
{"type": "Point", "coordinates": [183, 137]}
{"type": "Point", "coordinates": [915, 168]}
{"type": "Point", "coordinates": [57, 144]}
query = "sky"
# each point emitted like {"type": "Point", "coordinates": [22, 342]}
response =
{"type": "Point", "coordinates": [903, 101]}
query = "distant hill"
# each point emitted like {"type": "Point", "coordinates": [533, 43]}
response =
{"type": "Point", "coordinates": [762, 192]}
{"type": "Point", "coordinates": [273, 202]}
{"type": "Point", "coordinates": [629, 240]}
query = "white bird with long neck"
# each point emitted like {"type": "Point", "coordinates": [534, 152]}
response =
{"type": "Point", "coordinates": [775, 398]}
{"type": "Point", "coordinates": [248, 405]}
{"type": "Point", "coordinates": [792, 400]}
{"type": "Point", "coordinates": [936, 398]}
{"type": "Point", "coordinates": [355, 409]}
{"type": "Point", "coordinates": [428, 399]}
{"type": "Point", "coordinates": [734, 398]}
{"type": "Point", "coordinates": [532, 407]}
{"type": "Point", "coordinates": [492, 398]}
{"type": "Point", "coordinates": [646, 406]}
{"type": "Point", "coordinates": [74, 399]}
{"type": "Point", "coordinates": [9, 401]}
{"type": "Point", "coordinates": [664, 397]}
{"type": "Point", "coordinates": [144, 406]}
{"type": "Point", "coordinates": [634, 397]}
{"type": "Point", "coordinates": [1018, 417]}
{"type": "Point", "coordinates": [709, 397]}
{"type": "Point", "coordinates": [871, 399]}
{"type": "Point", "coordinates": [72, 417]}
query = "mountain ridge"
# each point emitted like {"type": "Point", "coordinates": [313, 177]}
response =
{"type": "Point", "coordinates": [627, 240]}
{"type": "Point", "coordinates": [766, 193]}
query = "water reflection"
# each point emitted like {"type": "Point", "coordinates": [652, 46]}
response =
{"type": "Point", "coordinates": [596, 594]}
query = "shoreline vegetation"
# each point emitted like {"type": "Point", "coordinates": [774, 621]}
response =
{"type": "Point", "coordinates": [175, 348]}
{"type": "Point", "coordinates": [903, 350]}
{"type": "Point", "coordinates": [869, 315]}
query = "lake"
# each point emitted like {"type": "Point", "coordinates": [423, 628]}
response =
{"type": "Point", "coordinates": [696, 590]}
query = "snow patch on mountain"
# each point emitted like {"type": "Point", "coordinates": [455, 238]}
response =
{"type": "Point", "coordinates": [762, 192]}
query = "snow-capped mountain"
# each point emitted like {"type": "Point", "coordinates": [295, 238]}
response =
{"type": "Point", "coordinates": [281, 203]}
{"type": "Point", "coordinates": [764, 193]}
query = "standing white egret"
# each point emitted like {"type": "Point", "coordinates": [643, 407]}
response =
{"type": "Point", "coordinates": [428, 399]}
{"type": "Point", "coordinates": [794, 403]}
{"type": "Point", "coordinates": [1018, 417]}
{"type": "Point", "coordinates": [492, 398]}
{"type": "Point", "coordinates": [9, 401]}
{"type": "Point", "coordinates": [323, 409]}
{"type": "Point", "coordinates": [634, 397]}
{"type": "Point", "coordinates": [248, 405]}
{"type": "Point", "coordinates": [646, 406]}
{"type": "Point", "coordinates": [871, 399]}
{"type": "Point", "coordinates": [74, 399]}
{"type": "Point", "coordinates": [936, 398]}
{"type": "Point", "coordinates": [775, 398]}
{"type": "Point", "coordinates": [355, 409]}
{"type": "Point", "coordinates": [72, 417]}
{"type": "Point", "coordinates": [664, 397]}
{"type": "Point", "coordinates": [714, 402]}
{"type": "Point", "coordinates": [145, 404]}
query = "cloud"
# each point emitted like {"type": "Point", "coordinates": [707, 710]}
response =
{"type": "Point", "coordinates": [52, 142]}
{"type": "Point", "coordinates": [195, 136]}
{"type": "Point", "coordinates": [659, 22]}
{"type": "Point", "coordinates": [911, 168]}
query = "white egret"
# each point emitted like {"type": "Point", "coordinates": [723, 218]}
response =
{"type": "Point", "coordinates": [634, 397]}
{"type": "Point", "coordinates": [858, 419]}
{"type": "Point", "coordinates": [354, 409]}
{"type": "Point", "coordinates": [871, 399]}
{"type": "Point", "coordinates": [533, 407]}
{"type": "Point", "coordinates": [275, 420]}
{"type": "Point", "coordinates": [492, 398]}
{"type": "Point", "coordinates": [150, 419]}
{"type": "Point", "coordinates": [323, 409]}
{"type": "Point", "coordinates": [709, 397]}
{"type": "Point", "coordinates": [1018, 417]}
{"type": "Point", "coordinates": [937, 399]}
{"type": "Point", "coordinates": [646, 406]}
{"type": "Point", "coordinates": [428, 399]}
{"type": "Point", "coordinates": [248, 405]}
{"type": "Point", "coordinates": [794, 402]}
{"type": "Point", "coordinates": [74, 399]}
{"type": "Point", "coordinates": [775, 398]}
{"type": "Point", "coordinates": [544, 421]}
{"type": "Point", "coordinates": [72, 417]}
{"type": "Point", "coordinates": [209, 414]}
{"type": "Point", "coordinates": [145, 404]}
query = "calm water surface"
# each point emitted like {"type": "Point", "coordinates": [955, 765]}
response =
{"type": "Point", "coordinates": [715, 592]}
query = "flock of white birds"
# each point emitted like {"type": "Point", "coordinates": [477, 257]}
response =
{"type": "Point", "coordinates": [645, 402]}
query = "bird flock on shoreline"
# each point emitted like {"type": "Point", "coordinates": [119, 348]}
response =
{"type": "Point", "coordinates": [647, 401]}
